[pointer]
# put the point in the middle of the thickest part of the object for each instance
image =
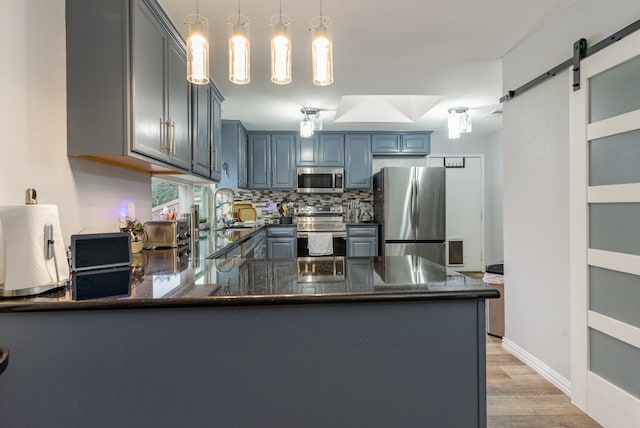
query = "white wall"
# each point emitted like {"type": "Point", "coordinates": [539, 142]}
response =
{"type": "Point", "coordinates": [489, 145]}
{"type": "Point", "coordinates": [90, 196]}
{"type": "Point", "coordinates": [536, 209]}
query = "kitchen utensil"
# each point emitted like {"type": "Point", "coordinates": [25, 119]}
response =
{"type": "Point", "coordinates": [247, 214]}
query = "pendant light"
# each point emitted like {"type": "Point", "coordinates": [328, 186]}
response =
{"type": "Point", "coordinates": [239, 49]}
{"type": "Point", "coordinates": [280, 49]}
{"type": "Point", "coordinates": [459, 122]}
{"type": "Point", "coordinates": [321, 50]}
{"type": "Point", "coordinates": [197, 48]}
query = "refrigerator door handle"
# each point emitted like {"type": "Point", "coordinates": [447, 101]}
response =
{"type": "Point", "coordinates": [414, 200]}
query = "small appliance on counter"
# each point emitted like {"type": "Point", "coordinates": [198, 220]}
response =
{"type": "Point", "coordinates": [167, 234]}
{"type": "Point", "coordinates": [101, 265]}
{"type": "Point", "coordinates": [32, 253]}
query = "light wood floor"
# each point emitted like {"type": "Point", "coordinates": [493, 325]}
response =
{"type": "Point", "coordinates": [519, 397]}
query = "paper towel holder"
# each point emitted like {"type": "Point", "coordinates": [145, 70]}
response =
{"type": "Point", "coordinates": [49, 253]}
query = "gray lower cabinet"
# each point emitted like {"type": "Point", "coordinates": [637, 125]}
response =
{"type": "Point", "coordinates": [383, 363]}
{"type": "Point", "coordinates": [282, 242]}
{"type": "Point", "coordinates": [360, 274]}
{"type": "Point", "coordinates": [260, 249]}
{"type": "Point", "coordinates": [271, 161]}
{"type": "Point", "coordinates": [358, 161]}
{"type": "Point", "coordinates": [234, 155]}
{"type": "Point", "coordinates": [409, 143]}
{"type": "Point", "coordinates": [271, 276]}
{"type": "Point", "coordinates": [362, 241]}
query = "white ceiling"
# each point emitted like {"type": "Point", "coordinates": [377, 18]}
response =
{"type": "Point", "coordinates": [419, 58]}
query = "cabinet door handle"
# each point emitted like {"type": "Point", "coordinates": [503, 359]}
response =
{"type": "Point", "coordinates": [163, 137]}
{"type": "Point", "coordinates": [172, 133]}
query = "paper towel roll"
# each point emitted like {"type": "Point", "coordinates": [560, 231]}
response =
{"type": "Point", "coordinates": [23, 262]}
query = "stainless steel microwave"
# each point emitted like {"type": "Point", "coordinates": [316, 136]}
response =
{"type": "Point", "coordinates": [320, 180]}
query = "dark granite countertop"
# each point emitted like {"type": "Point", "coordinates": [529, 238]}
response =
{"type": "Point", "coordinates": [158, 281]}
{"type": "Point", "coordinates": [216, 243]}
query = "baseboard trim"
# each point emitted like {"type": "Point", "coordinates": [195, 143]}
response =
{"type": "Point", "coordinates": [559, 381]}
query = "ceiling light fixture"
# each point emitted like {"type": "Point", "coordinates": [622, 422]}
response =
{"type": "Point", "coordinates": [459, 122]}
{"type": "Point", "coordinates": [280, 49]}
{"type": "Point", "coordinates": [321, 50]}
{"type": "Point", "coordinates": [197, 48]}
{"type": "Point", "coordinates": [307, 126]}
{"type": "Point", "coordinates": [239, 49]}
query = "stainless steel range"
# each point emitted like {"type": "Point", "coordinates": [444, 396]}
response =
{"type": "Point", "coordinates": [321, 219]}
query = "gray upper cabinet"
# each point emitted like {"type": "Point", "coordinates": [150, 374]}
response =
{"type": "Point", "coordinates": [358, 161]}
{"type": "Point", "coordinates": [178, 103]}
{"type": "Point", "coordinates": [271, 161]}
{"type": "Point", "coordinates": [128, 100]}
{"type": "Point", "coordinates": [320, 150]}
{"type": "Point", "coordinates": [234, 155]}
{"type": "Point", "coordinates": [243, 180]}
{"type": "Point", "coordinates": [207, 132]}
{"type": "Point", "coordinates": [282, 161]}
{"type": "Point", "coordinates": [216, 137]}
{"type": "Point", "coordinates": [410, 143]}
{"type": "Point", "coordinates": [307, 151]}
{"type": "Point", "coordinates": [415, 143]}
{"type": "Point", "coordinates": [332, 150]}
{"type": "Point", "coordinates": [149, 45]}
{"type": "Point", "coordinates": [259, 161]}
{"type": "Point", "coordinates": [202, 130]}
{"type": "Point", "coordinates": [385, 144]}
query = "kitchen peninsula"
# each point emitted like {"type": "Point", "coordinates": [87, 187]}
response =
{"type": "Point", "coordinates": [330, 341]}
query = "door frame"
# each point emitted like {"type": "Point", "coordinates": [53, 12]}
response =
{"type": "Point", "coordinates": [483, 220]}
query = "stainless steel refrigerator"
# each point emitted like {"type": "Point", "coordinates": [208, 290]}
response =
{"type": "Point", "coordinates": [409, 203]}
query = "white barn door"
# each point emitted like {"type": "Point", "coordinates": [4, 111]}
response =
{"type": "Point", "coordinates": [605, 235]}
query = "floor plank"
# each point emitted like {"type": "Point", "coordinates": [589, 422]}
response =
{"type": "Point", "coordinates": [518, 397]}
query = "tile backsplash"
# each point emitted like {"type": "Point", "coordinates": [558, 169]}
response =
{"type": "Point", "coordinates": [265, 201]}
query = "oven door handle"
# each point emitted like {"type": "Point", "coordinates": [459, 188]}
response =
{"type": "Point", "coordinates": [335, 234]}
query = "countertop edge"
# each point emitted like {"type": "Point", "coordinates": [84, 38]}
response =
{"type": "Point", "coordinates": [226, 301]}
